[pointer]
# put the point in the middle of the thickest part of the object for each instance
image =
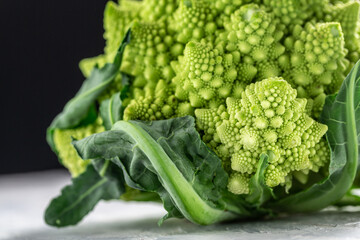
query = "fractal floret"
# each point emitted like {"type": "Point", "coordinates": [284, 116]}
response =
{"type": "Point", "coordinates": [156, 105]}
{"type": "Point", "coordinates": [206, 75]}
{"type": "Point", "coordinates": [267, 118]}
{"type": "Point", "coordinates": [193, 20]}
{"type": "Point", "coordinates": [220, 109]}
{"type": "Point", "coordinates": [256, 35]}
{"type": "Point", "coordinates": [63, 138]}
{"type": "Point", "coordinates": [149, 54]}
{"type": "Point", "coordinates": [317, 61]}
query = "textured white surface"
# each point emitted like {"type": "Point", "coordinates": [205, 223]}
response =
{"type": "Point", "coordinates": [23, 199]}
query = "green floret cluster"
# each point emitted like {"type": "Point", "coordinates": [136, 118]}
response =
{"type": "Point", "coordinates": [290, 12]}
{"type": "Point", "coordinates": [157, 10]}
{"type": "Point", "coordinates": [187, 55]}
{"type": "Point", "coordinates": [148, 56]}
{"type": "Point", "coordinates": [316, 63]}
{"type": "Point", "coordinates": [157, 104]}
{"type": "Point", "coordinates": [311, 55]}
{"type": "Point", "coordinates": [267, 118]}
{"type": "Point", "coordinates": [67, 153]}
{"type": "Point", "coordinates": [206, 75]}
{"type": "Point", "coordinates": [256, 35]}
{"type": "Point", "coordinates": [193, 20]}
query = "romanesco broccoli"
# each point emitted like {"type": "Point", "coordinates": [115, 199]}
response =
{"type": "Point", "coordinates": [267, 118]}
{"type": "Point", "coordinates": [256, 74]}
{"type": "Point", "coordinates": [191, 54]}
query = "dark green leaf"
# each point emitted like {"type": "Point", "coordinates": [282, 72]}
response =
{"type": "Point", "coordinates": [167, 157]}
{"type": "Point", "coordinates": [341, 114]}
{"type": "Point", "coordinates": [77, 108]}
{"type": "Point", "coordinates": [78, 199]}
{"type": "Point", "coordinates": [80, 110]}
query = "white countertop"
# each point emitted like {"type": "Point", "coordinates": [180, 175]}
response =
{"type": "Point", "coordinates": [24, 197]}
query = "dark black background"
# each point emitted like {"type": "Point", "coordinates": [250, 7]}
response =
{"type": "Point", "coordinates": [41, 43]}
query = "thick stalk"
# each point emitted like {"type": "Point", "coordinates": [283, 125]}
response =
{"type": "Point", "coordinates": [191, 205]}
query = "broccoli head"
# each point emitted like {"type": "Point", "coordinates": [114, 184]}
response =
{"type": "Point", "coordinates": [268, 118]}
